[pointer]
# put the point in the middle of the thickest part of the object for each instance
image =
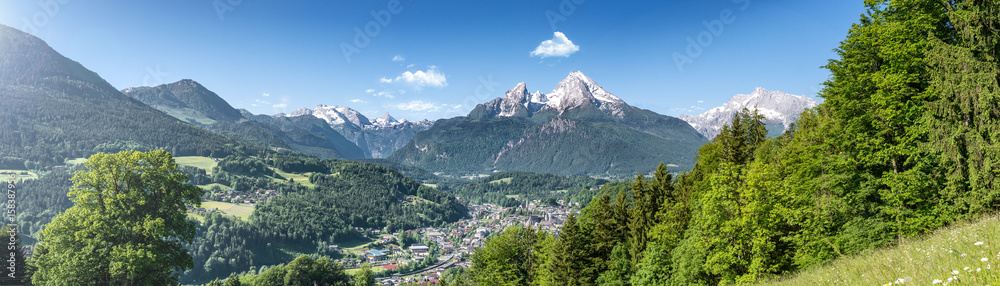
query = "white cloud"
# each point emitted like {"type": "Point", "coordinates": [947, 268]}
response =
{"type": "Point", "coordinates": [280, 105]}
{"type": "Point", "coordinates": [398, 58]}
{"type": "Point", "coordinates": [410, 66]}
{"type": "Point", "coordinates": [420, 79]}
{"type": "Point", "coordinates": [384, 80]}
{"type": "Point", "coordinates": [266, 94]}
{"type": "Point", "coordinates": [558, 46]}
{"type": "Point", "coordinates": [358, 100]}
{"type": "Point", "coordinates": [385, 93]}
{"type": "Point", "coordinates": [701, 101]}
{"type": "Point", "coordinates": [262, 101]}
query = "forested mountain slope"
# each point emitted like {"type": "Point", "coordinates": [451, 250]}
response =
{"type": "Point", "coordinates": [53, 108]}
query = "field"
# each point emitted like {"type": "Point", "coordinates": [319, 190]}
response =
{"type": "Point", "coordinates": [204, 163]}
{"type": "Point", "coordinates": [504, 180]}
{"type": "Point", "coordinates": [76, 161]}
{"type": "Point", "coordinates": [963, 254]}
{"type": "Point", "coordinates": [20, 177]}
{"type": "Point", "coordinates": [238, 210]}
{"type": "Point", "coordinates": [414, 200]}
{"type": "Point", "coordinates": [302, 179]}
{"type": "Point", "coordinates": [209, 186]}
{"type": "Point", "coordinates": [197, 217]}
{"type": "Point", "coordinates": [375, 269]}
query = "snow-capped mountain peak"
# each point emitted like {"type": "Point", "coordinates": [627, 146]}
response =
{"type": "Point", "coordinates": [576, 90]}
{"type": "Point", "coordinates": [386, 120]}
{"type": "Point", "coordinates": [339, 115]}
{"type": "Point", "coordinates": [776, 106]}
{"type": "Point", "coordinates": [300, 112]}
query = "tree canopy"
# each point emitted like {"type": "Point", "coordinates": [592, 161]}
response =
{"type": "Point", "coordinates": [127, 224]}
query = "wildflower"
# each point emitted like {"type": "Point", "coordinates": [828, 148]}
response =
{"type": "Point", "coordinates": [979, 269]}
{"type": "Point", "coordinates": [937, 281]}
{"type": "Point", "coordinates": [963, 254]}
{"type": "Point", "coordinates": [954, 272]}
{"type": "Point", "coordinates": [978, 243]}
{"type": "Point", "coordinates": [984, 259]}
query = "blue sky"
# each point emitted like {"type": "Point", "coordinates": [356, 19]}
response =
{"type": "Point", "coordinates": [436, 59]}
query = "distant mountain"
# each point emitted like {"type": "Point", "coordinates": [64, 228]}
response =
{"type": "Point", "coordinates": [779, 108]}
{"type": "Point", "coordinates": [190, 101]}
{"type": "Point", "coordinates": [575, 92]}
{"type": "Point", "coordinates": [310, 135]}
{"type": "Point", "coordinates": [377, 138]}
{"type": "Point", "coordinates": [52, 108]}
{"type": "Point", "coordinates": [186, 100]}
{"type": "Point", "coordinates": [577, 129]}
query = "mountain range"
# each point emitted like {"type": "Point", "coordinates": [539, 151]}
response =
{"type": "Point", "coordinates": [190, 101]}
{"type": "Point", "coordinates": [577, 129]}
{"type": "Point", "coordinates": [377, 138]}
{"type": "Point", "coordinates": [53, 108]}
{"type": "Point", "coordinates": [61, 110]}
{"type": "Point", "coordinates": [779, 109]}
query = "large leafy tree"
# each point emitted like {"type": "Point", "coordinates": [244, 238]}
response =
{"type": "Point", "coordinates": [126, 227]}
{"type": "Point", "coordinates": [365, 277]}
{"type": "Point", "coordinates": [510, 258]}
{"type": "Point", "coordinates": [876, 96]}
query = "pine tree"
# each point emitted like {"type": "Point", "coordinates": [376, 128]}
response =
{"type": "Point", "coordinates": [965, 119]}
{"type": "Point", "coordinates": [571, 256]}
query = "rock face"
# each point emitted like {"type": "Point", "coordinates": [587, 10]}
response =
{"type": "Point", "coordinates": [575, 91]}
{"type": "Point", "coordinates": [779, 108]}
{"type": "Point", "coordinates": [377, 138]}
{"type": "Point", "coordinates": [577, 129]}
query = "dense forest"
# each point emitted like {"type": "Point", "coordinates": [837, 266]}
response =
{"type": "Point", "coordinates": [583, 142]}
{"type": "Point", "coordinates": [349, 195]}
{"type": "Point", "coordinates": [502, 188]}
{"type": "Point", "coordinates": [904, 143]}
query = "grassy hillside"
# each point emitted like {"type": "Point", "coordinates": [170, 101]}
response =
{"type": "Point", "coordinates": [969, 252]}
{"type": "Point", "coordinates": [200, 162]}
